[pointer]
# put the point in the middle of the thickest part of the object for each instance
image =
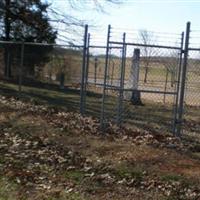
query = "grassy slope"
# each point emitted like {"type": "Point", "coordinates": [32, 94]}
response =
{"type": "Point", "coordinates": [113, 168]}
{"type": "Point", "coordinates": [153, 116]}
{"type": "Point", "coordinates": [120, 168]}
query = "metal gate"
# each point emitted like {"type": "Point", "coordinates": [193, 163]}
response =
{"type": "Point", "coordinates": [137, 92]}
{"type": "Point", "coordinates": [143, 81]}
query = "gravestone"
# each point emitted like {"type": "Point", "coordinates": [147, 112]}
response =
{"type": "Point", "coordinates": [135, 69]}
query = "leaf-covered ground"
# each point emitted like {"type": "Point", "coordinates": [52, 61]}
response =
{"type": "Point", "coordinates": [46, 153]}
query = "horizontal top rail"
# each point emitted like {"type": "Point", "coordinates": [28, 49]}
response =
{"type": "Point", "coordinates": [40, 44]}
{"type": "Point", "coordinates": [193, 49]}
{"type": "Point", "coordinates": [148, 45]}
{"type": "Point", "coordinates": [117, 88]}
{"type": "Point", "coordinates": [142, 91]}
{"type": "Point", "coordinates": [104, 47]}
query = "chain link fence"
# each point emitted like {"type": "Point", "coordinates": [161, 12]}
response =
{"type": "Point", "coordinates": [133, 80]}
{"type": "Point", "coordinates": [42, 73]}
{"type": "Point", "coordinates": [191, 122]}
{"type": "Point", "coordinates": [140, 83]}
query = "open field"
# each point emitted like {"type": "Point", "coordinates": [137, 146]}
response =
{"type": "Point", "coordinates": [161, 70]}
{"type": "Point", "coordinates": [157, 79]}
{"type": "Point", "coordinates": [49, 153]}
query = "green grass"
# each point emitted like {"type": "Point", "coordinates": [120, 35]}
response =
{"type": "Point", "coordinates": [172, 177]}
{"type": "Point", "coordinates": [76, 175]}
{"type": "Point", "coordinates": [129, 172]}
{"type": "Point", "coordinates": [8, 189]}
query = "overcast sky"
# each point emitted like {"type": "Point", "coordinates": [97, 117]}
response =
{"type": "Point", "coordinates": [155, 15]}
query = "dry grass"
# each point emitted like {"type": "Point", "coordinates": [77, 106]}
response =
{"type": "Point", "coordinates": [118, 167]}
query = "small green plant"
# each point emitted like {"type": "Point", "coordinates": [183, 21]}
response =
{"type": "Point", "coordinates": [172, 177]}
{"type": "Point", "coordinates": [8, 189]}
{"type": "Point", "coordinates": [130, 172]}
{"type": "Point", "coordinates": [75, 175]}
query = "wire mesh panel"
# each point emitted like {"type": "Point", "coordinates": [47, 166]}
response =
{"type": "Point", "coordinates": [144, 91]}
{"type": "Point", "coordinates": [191, 123]}
{"type": "Point", "coordinates": [191, 108]}
{"type": "Point", "coordinates": [137, 79]}
{"type": "Point", "coordinates": [114, 84]}
{"type": "Point", "coordinates": [44, 72]}
{"type": "Point", "coordinates": [150, 95]}
{"type": "Point", "coordinates": [10, 60]}
{"type": "Point", "coordinates": [192, 96]}
{"type": "Point", "coordinates": [95, 74]}
{"type": "Point", "coordinates": [65, 66]}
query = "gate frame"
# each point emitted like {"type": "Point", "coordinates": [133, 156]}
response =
{"type": "Point", "coordinates": [179, 119]}
{"type": "Point", "coordinates": [84, 71]}
{"type": "Point", "coordinates": [181, 76]}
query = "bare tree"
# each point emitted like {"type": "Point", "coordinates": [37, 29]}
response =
{"type": "Point", "coordinates": [56, 21]}
{"type": "Point", "coordinates": [147, 38]}
{"type": "Point", "coordinates": [67, 24]}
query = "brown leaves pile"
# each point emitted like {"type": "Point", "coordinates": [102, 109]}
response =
{"type": "Point", "coordinates": [71, 121]}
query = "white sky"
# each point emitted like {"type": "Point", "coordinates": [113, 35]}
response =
{"type": "Point", "coordinates": [155, 15]}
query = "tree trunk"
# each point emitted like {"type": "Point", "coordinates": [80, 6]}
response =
{"type": "Point", "coordinates": [7, 68]}
{"type": "Point", "coordinates": [7, 63]}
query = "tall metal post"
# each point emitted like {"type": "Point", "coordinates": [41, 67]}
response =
{"type": "Point", "coordinates": [88, 59]}
{"type": "Point", "coordinates": [183, 81]}
{"type": "Point", "coordinates": [122, 76]}
{"type": "Point", "coordinates": [178, 87]}
{"type": "Point", "coordinates": [102, 118]}
{"type": "Point", "coordinates": [86, 70]}
{"type": "Point", "coordinates": [82, 90]}
{"type": "Point", "coordinates": [21, 68]}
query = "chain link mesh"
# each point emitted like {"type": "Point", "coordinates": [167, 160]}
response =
{"type": "Point", "coordinates": [191, 123]}
{"type": "Point", "coordinates": [142, 79]}
{"type": "Point", "coordinates": [49, 73]}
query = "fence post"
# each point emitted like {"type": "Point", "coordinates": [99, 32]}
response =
{"type": "Point", "coordinates": [87, 60]}
{"type": "Point", "coordinates": [178, 86]}
{"type": "Point", "coordinates": [102, 118]}
{"type": "Point", "coordinates": [21, 68]}
{"type": "Point", "coordinates": [183, 81]}
{"type": "Point", "coordinates": [122, 76]}
{"type": "Point", "coordinates": [86, 70]}
{"type": "Point", "coordinates": [82, 88]}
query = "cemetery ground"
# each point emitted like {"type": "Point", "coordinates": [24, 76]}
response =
{"type": "Point", "coordinates": [48, 151]}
